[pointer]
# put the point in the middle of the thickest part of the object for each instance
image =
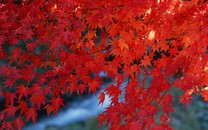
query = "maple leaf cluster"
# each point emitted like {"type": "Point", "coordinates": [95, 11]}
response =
{"type": "Point", "coordinates": [56, 47]}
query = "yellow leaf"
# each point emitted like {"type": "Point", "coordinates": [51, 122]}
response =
{"type": "Point", "coordinates": [151, 35]}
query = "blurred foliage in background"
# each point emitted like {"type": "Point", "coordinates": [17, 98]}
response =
{"type": "Point", "coordinates": [192, 117]}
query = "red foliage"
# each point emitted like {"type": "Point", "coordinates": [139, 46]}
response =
{"type": "Point", "coordinates": [56, 47]}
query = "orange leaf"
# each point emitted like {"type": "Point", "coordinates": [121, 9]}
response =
{"type": "Point", "coordinates": [48, 109]}
{"type": "Point", "coordinates": [123, 45]}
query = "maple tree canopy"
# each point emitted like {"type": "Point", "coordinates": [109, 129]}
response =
{"type": "Point", "coordinates": [53, 47]}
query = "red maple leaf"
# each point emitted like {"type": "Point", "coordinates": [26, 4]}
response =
{"type": "Point", "coordinates": [10, 111]}
{"type": "Point", "coordinates": [101, 98]}
{"type": "Point", "coordinates": [204, 94]}
{"type": "Point", "coordinates": [186, 97]}
{"type": "Point", "coordinates": [146, 61]}
{"type": "Point", "coordinates": [56, 103]}
{"type": "Point", "coordinates": [48, 109]}
{"type": "Point", "coordinates": [18, 123]}
{"type": "Point", "coordinates": [93, 86]}
{"type": "Point", "coordinates": [31, 114]}
{"type": "Point", "coordinates": [22, 90]}
{"type": "Point", "coordinates": [9, 97]}
{"type": "Point", "coordinates": [7, 126]}
{"type": "Point", "coordinates": [38, 99]}
{"type": "Point", "coordinates": [22, 106]}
